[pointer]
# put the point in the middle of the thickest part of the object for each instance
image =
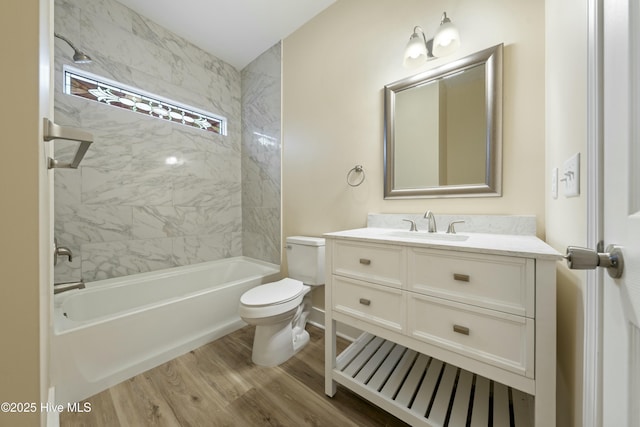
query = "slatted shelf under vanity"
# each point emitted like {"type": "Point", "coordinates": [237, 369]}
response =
{"type": "Point", "coordinates": [425, 391]}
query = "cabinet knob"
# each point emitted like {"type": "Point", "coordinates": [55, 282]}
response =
{"type": "Point", "coordinates": [365, 301]}
{"type": "Point", "coordinates": [365, 261]}
{"type": "Point", "coordinates": [461, 329]}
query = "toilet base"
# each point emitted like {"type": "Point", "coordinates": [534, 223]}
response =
{"type": "Point", "coordinates": [275, 344]}
{"type": "Point", "coordinates": [280, 337]}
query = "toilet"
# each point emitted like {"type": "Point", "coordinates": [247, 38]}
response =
{"type": "Point", "coordinates": [279, 310]}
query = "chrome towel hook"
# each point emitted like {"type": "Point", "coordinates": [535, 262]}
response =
{"type": "Point", "coordinates": [356, 169]}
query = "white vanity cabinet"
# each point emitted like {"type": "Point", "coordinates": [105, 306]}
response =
{"type": "Point", "coordinates": [454, 331]}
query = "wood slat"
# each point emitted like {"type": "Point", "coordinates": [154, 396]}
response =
{"type": "Point", "coordinates": [381, 376]}
{"type": "Point", "coordinates": [423, 398]}
{"type": "Point", "coordinates": [443, 397]}
{"type": "Point", "coordinates": [501, 417]}
{"type": "Point", "coordinates": [363, 357]}
{"type": "Point", "coordinates": [480, 414]}
{"type": "Point", "coordinates": [462, 399]}
{"type": "Point", "coordinates": [397, 377]}
{"type": "Point", "coordinates": [353, 350]}
{"type": "Point", "coordinates": [427, 391]}
{"type": "Point", "coordinates": [411, 383]}
{"type": "Point", "coordinates": [374, 363]}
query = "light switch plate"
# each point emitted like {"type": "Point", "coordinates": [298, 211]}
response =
{"type": "Point", "coordinates": [554, 183]}
{"type": "Point", "coordinates": [571, 176]}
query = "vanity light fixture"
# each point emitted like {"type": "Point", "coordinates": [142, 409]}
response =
{"type": "Point", "coordinates": [420, 50]}
{"type": "Point", "coordinates": [447, 38]}
{"type": "Point", "coordinates": [417, 51]}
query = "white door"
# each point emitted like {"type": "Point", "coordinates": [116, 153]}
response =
{"type": "Point", "coordinates": [621, 310]}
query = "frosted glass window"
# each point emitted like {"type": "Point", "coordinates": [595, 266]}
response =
{"type": "Point", "coordinates": [111, 93]}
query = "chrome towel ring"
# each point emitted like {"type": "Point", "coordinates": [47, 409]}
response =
{"type": "Point", "coordinates": [358, 169]}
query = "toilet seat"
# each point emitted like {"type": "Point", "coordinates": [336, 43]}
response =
{"type": "Point", "coordinates": [272, 293]}
{"type": "Point", "coordinates": [275, 299]}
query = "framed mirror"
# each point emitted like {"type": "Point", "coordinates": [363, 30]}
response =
{"type": "Point", "coordinates": [443, 130]}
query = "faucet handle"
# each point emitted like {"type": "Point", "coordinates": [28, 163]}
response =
{"type": "Point", "coordinates": [452, 229]}
{"type": "Point", "coordinates": [413, 224]}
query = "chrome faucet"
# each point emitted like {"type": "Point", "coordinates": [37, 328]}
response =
{"type": "Point", "coordinates": [432, 222]}
{"type": "Point", "coordinates": [61, 251]}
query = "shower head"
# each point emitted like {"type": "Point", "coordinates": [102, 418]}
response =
{"type": "Point", "coordinates": [79, 57]}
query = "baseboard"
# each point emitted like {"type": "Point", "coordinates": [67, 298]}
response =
{"type": "Point", "coordinates": [316, 318]}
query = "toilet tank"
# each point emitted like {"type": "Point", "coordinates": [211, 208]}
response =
{"type": "Point", "coordinates": [305, 259]}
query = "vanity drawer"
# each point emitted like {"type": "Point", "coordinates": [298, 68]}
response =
{"type": "Point", "coordinates": [382, 264]}
{"type": "Point", "coordinates": [499, 339]}
{"type": "Point", "coordinates": [496, 282]}
{"type": "Point", "coordinates": [375, 304]}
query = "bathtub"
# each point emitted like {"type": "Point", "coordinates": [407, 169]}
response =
{"type": "Point", "coordinates": [117, 328]}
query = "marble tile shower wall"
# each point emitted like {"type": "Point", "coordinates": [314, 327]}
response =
{"type": "Point", "coordinates": [261, 164]}
{"type": "Point", "coordinates": [125, 210]}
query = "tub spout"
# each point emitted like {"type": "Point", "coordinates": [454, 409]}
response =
{"type": "Point", "coordinates": [61, 251]}
{"type": "Point", "coordinates": [67, 286]}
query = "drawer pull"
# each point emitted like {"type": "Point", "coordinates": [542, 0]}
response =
{"type": "Point", "coordinates": [365, 261]}
{"type": "Point", "coordinates": [365, 301]}
{"type": "Point", "coordinates": [461, 277]}
{"type": "Point", "coordinates": [461, 329]}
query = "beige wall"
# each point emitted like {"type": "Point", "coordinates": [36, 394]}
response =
{"type": "Point", "coordinates": [566, 115]}
{"type": "Point", "coordinates": [23, 358]}
{"type": "Point", "coordinates": [334, 71]}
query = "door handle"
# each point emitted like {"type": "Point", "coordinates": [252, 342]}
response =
{"type": "Point", "coordinates": [579, 258]}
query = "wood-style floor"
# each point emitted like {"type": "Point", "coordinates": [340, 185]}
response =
{"type": "Point", "coordinates": [217, 385]}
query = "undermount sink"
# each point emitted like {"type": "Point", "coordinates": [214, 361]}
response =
{"type": "Point", "coordinates": [422, 235]}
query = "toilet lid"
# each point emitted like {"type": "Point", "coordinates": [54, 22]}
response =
{"type": "Point", "coordinates": [272, 293]}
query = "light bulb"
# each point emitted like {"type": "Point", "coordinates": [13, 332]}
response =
{"type": "Point", "coordinates": [415, 53]}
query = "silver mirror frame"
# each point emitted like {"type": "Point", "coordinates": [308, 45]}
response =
{"type": "Point", "coordinates": [492, 187]}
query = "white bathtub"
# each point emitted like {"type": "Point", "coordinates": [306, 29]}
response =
{"type": "Point", "coordinates": [117, 328]}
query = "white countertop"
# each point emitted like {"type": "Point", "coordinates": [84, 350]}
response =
{"type": "Point", "coordinates": [497, 244]}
